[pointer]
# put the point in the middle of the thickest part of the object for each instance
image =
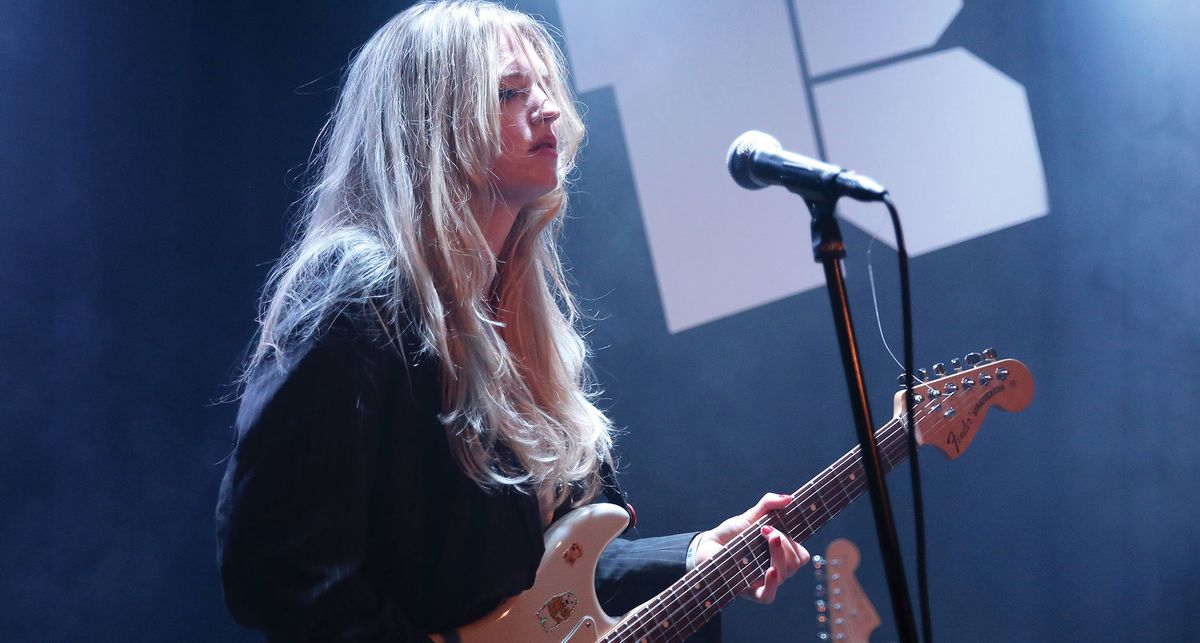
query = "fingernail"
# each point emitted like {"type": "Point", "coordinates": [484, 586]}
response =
{"type": "Point", "coordinates": [768, 530]}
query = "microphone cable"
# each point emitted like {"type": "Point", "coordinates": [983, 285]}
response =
{"type": "Point", "coordinates": [909, 380]}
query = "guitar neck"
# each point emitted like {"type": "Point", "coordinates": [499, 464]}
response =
{"type": "Point", "coordinates": [693, 600]}
{"type": "Point", "coordinates": [948, 411]}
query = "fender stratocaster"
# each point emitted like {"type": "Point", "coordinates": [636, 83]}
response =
{"type": "Point", "coordinates": [562, 607]}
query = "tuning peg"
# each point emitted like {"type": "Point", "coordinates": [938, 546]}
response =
{"type": "Point", "coordinates": [973, 359]}
{"type": "Point", "coordinates": [922, 374]}
{"type": "Point", "coordinates": [939, 369]}
{"type": "Point", "coordinates": [989, 354]}
{"type": "Point", "coordinates": [956, 364]}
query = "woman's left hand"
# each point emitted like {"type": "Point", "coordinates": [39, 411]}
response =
{"type": "Point", "coordinates": [787, 555]}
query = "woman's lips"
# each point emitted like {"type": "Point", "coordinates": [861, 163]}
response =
{"type": "Point", "coordinates": [548, 145]}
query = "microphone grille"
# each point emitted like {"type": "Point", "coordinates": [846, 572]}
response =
{"type": "Point", "coordinates": [740, 158]}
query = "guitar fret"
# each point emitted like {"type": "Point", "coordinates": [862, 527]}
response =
{"type": "Point", "coordinates": [684, 607]}
{"type": "Point", "coordinates": [692, 601]}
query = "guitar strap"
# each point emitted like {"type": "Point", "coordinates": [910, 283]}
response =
{"type": "Point", "coordinates": [614, 494]}
{"type": "Point", "coordinates": [611, 493]}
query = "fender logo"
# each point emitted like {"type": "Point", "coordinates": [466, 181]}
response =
{"type": "Point", "coordinates": [984, 398]}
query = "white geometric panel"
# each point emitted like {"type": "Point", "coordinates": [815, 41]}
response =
{"type": "Point", "coordinates": [689, 77]}
{"type": "Point", "coordinates": [845, 33]}
{"type": "Point", "coordinates": [950, 136]}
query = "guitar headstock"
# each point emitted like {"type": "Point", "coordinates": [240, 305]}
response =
{"type": "Point", "coordinates": [950, 408]}
{"type": "Point", "coordinates": [844, 613]}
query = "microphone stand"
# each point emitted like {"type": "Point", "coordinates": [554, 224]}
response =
{"type": "Point", "coordinates": [829, 249]}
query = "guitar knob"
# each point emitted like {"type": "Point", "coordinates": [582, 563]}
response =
{"type": "Point", "coordinates": [939, 369]}
{"type": "Point", "coordinates": [989, 354]}
{"type": "Point", "coordinates": [1002, 374]}
{"type": "Point", "coordinates": [956, 364]}
{"type": "Point", "coordinates": [973, 359]}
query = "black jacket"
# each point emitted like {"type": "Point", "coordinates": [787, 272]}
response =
{"type": "Point", "coordinates": [344, 516]}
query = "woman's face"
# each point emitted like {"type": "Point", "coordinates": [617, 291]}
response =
{"type": "Point", "coordinates": [527, 167]}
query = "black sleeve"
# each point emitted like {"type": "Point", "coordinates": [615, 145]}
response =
{"type": "Point", "coordinates": [292, 513]}
{"type": "Point", "coordinates": [631, 571]}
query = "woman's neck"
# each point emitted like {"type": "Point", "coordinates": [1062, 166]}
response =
{"type": "Point", "coordinates": [498, 225]}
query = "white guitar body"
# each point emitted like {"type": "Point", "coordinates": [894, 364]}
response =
{"type": "Point", "coordinates": [562, 605]}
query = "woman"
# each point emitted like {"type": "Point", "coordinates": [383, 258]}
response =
{"type": "Point", "coordinates": [415, 412]}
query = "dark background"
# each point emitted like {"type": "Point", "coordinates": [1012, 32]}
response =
{"type": "Point", "coordinates": [151, 152]}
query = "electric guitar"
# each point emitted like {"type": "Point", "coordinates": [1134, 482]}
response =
{"type": "Point", "coordinates": [844, 613]}
{"type": "Point", "coordinates": [562, 607]}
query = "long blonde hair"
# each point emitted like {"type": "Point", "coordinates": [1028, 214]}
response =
{"type": "Point", "coordinates": [389, 225]}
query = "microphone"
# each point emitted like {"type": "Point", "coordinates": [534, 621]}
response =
{"type": "Point", "coordinates": [757, 160]}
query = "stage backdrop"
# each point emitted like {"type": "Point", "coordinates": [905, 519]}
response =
{"type": "Point", "coordinates": [1044, 157]}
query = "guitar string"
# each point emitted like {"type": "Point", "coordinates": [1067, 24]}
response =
{"type": "Point", "coordinates": [890, 437]}
{"type": "Point", "coordinates": [829, 504]}
{"type": "Point", "coordinates": [650, 618]}
{"type": "Point", "coordinates": [888, 434]}
{"type": "Point", "coordinates": [752, 541]}
{"type": "Point", "coordinates": [747, 540]}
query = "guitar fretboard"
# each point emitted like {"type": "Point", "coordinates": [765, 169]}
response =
{"type": "Point", "coordinates": [680, 610]}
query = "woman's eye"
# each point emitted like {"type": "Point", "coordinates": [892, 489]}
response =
{"type": "Point", "coordinates": [509, 93]}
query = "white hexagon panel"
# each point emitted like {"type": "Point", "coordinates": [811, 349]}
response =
{"type": "Point", "coordinates": [689, 77]}
{"type": "Point", "coordinates": [850, 33]}
{"type": "Point", "coordinates": [950, 136]}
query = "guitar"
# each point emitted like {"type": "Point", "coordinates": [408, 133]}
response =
{"type": "Point", "coordinates": [562, 607]}
{"type": "Point", "coordinates": [844, 613]}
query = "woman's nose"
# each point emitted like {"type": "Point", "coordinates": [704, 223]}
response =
{"type": "Point", "coordinates": [547, 111]}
